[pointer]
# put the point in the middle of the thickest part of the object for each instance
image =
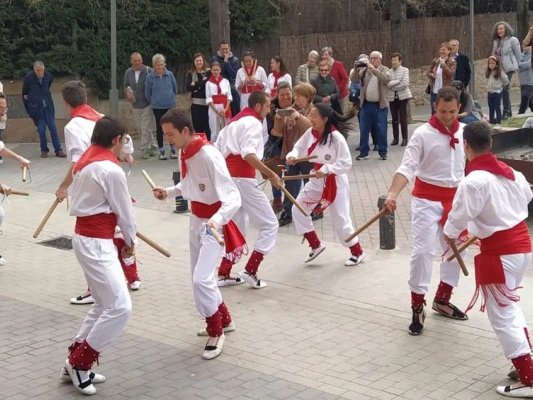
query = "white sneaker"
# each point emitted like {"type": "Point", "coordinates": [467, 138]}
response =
{"type": "Point", "coordinates": [135, 285]}
{"type": "Point", "coordinates": [252, 280]}
{"type": "Point", "coordinates": [227, 329]}
{"type": "Point", "coordinates": [2, 261]}
{"type": "Point", "coordinates": [213, 347]}
{"type": "Point", "coordinates": [315, 253]}
{"type": "Point", "coordinates": [85, 298]}
{"type": "Point", "coordinates": [354, 260]}
{"type": "Point", "coordinates": [497, 126]}
{"type": "Point", "coordinates": [229, 281]}
{"type": "Point", "coordinates": [96, 378]}
{"type": "Point", "coordinates": [80, 379]}
{"type": "Point", "coordinates": [516, 391]}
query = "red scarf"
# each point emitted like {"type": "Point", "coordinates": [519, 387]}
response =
{"type": "Point", "coordinates": [330, 182]}
{"type": "Point", "coordinates": [317, 137]}
{"type": "Point", "coordinates": [191, 149]}
{"type": "Point", "coordinates": [92, 154]}
{"type": "Point", "coordinates": [250, 72]}
{"type": "Point", "coordinates": [488, 162]}
{"type": "Point", "coordinates": [247, 112]}
{"type": "Point", "coordinates": [87, 112]}
{"type": "Point", "coordinates": [274, 91]}
{"type": "Point", "coordinates": [216, 81]}
{"type": "Point", "coordinates": [435, 123]}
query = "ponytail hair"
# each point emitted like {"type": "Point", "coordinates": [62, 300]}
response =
{"type": "Point", "coordinates": [325, 111]}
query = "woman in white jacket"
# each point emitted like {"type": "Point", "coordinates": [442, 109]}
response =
{"type": "Point", "coordinates": [507, 48]}
{"type": "Point", "coordinates": [399, 95]}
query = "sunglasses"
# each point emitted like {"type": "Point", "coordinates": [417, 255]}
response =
{"type": "Point", "coordinates": [324, 70]}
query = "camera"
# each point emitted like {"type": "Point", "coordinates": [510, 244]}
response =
{"type": "Point", "coordinates": [362, 63]}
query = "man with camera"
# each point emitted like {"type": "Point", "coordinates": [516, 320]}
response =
{"type": "Point", "coordinates": [373, 115]}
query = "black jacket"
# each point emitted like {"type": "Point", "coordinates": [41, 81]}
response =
{"type": "Point", "coordinates": [36, 94]}
{"type": "Point", "coordinates": [463, 72]}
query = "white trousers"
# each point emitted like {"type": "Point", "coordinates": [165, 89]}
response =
{"type": "Point", "coordinates": [255, 206]}
{"type": "Point", "coordinates": [339, 210]}
{"type": "Point", "coordinates": [2, 215]}
{"type": "Point", "coordinates": [205, 257]}
{"type": "Point", "coordinates": [145, 123]}
{"type": "Point", "coordinates": [216, 123]}
{"type": "Point", "coordinates": [508, 322]}
{"type": "Point", "coordinates": [426, 215]}
{"type": "Point", "coordinates": [112, 304]}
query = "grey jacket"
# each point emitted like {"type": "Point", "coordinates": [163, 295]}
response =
{"type": "Point", "coordinates": [400, 83]}
{"type": "Point", "coordinates": [525, 72]}
{"type": "Point", "coordinates": [509, 53]}
{"type": "Point", "coordinates": [137, 87]}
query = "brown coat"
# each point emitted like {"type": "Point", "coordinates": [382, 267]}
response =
{"type": "Point", "coordinates": [290, 133]}
{"type": "Point", "coordinates": [448, 71]}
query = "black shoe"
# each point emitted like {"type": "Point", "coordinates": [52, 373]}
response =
{"type": "Point", "coordinates": [417, 324]}
{"type": "Point", "coordinates": [362, 157]}
{"type": "Point", "coordinates": [358, 148]}
{"type": "Point", "coordinates": [383, 157]}
{"type": "Point", "coordinates": [317, 215]}
{"type": "Point", "coordinates": [404, 142]}
{"type": "Point", "coordinates": [376, 148]}
{"type": "Point", "coordinates": [285, 218]}
{"type": "Point", "coordinates": [394, 142]}
{"type": "Point", "coordinates": [448, 310]}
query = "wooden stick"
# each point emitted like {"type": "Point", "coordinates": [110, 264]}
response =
{"type": "Point", "coordinates": [16, 192]}
{"type": "Point", "coordinates": [459, 258]}
{"type": "Point", "coordinates": [367, 224]}
{"type": "Point", "coordinates": [307, 158]}
{"type": "Point", "coordinates": [24, 173]}
{"type": "Point", "coordinates": [216, 235]}
{"type": "Point", "coordinates": [296, 177]}
{"type": "Point", "coordinates": [153, 244]}
{"type": "Point", "coordinates": [46, 217]}
{"type": "Point", "coordinates": [148, 179]}
{"type": "Point", "coordinates": [293, 200]}
{"type": "Point", "coordinates": [462, 247]}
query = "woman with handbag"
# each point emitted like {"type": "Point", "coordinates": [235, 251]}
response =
{"type": "Point", "coordinates": [195, 83]}
{"type": "Point", "coordinates": [441, 73]}
{"type": "Point", "coordinates": [399, 95]}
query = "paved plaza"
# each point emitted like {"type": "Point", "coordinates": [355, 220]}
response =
{"type": "Point", "coordinates": [318, 331]}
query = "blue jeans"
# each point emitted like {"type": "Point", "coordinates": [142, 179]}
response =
{"type": "Point", "coordinates": [373, 118]}
{"type": "Point", "coordinates": [432, 99]}
{"type": "Point", "coordinates": [495, 111]}
{"type": "Point", "coordinates": [47, 119]}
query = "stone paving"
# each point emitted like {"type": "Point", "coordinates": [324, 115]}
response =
{"type": "Point", "coordinates": [319, 331]}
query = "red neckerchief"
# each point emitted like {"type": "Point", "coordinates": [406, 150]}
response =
{"type": "Point", "coordinates": [216, 81]}
{"type": "Point", "coordinates": [276, 75]}
{"type": "Point", "coordinates": [92, 154]}
{"type": "Point", "coordinates": [87, 112]}
{"type": "Point", "coordinates": [250, 72]}
{"type": "Point", "coordinates": [317, 137]}
{"type": "Point", "coordinates": [191, 149]}
{"type": "Point", "coordinates": [246, 112]}
{"type": "Point", "coordinates": [488, 162]}
{"type": "Point", "coordinates": [435, 123]}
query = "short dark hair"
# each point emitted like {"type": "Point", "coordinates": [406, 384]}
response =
{"type": "Point", "coordinates": [106, 130]}
{"type": "Point", "coordinates": [74, 93]}
{"type": "Point", "coordinates": [396, 55]}
{"type": "Point", "coordinates": [282, 67]}
{"type": "Point", "coordinates": [179, 119]}
{"type": "Point", "coordinates": [223, 41]}
{"type": "Point", "coordinates": [284, 85]}
{"type": "Point", "coordinates": [448, 93]}
{"type": "Point", "coordinates": [478, 136]}
{"type": "Point", "coordinates": [257, 98]}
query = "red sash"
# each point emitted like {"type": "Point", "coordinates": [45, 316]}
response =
{"type": "Point", "coordinates": [252, 88]}
{"type": "Point", "coordinates": [490, 276]}
{"type": "Point", "coordinates": [424, 190]}
{"type": "Point", "coordinates": [87, 112]}
{"type": "Point", "coordinates": [233, 238]}
{"type": "Point", "coordinates": [239, 168]}
{"type": "Point", "coordinates": [101, 226]}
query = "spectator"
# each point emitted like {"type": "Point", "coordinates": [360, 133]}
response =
{"type": "Point", "coordinates": [467, 110]}
{"type": "Point", "coordinates": [338, 72]}
{"type": "Point", "coordinates": [355, 93]}
{"type": "Point", "coordinates": [251, 77]}
{"type": "Point", "coordinates": [525, 77]}
{"type": "Point", "coordinates": [441, 73]}
{"type": "Point", "coordinates": [3, 119]}
{"type": "Point", "coordinates": [399, 95]}
{"type": "Point", "coordinates": [143, 116]}
{"type": "Point", "coordinates": [506, 48]}
{"type": "Point", "coordinates": [230, 65]}
{"type": "Point", "coordinates": [308, 72]}
{"type": "Point", "coordinates": [160, 90]}
{"type": "Point", "coordinates": [39, 105]}
{"type": "Point", "coordinates": [279, 74]}
{"type": "Point", "coordinates": [496, 81]}
{"type": "Point", "coordinates": [373, 115]}
{"type": "Point", "coordinates": [195, 82]}
{"type": "Point", "coordinates": [218, 98]}
{"type": "Point", "coordinates": [463, 71]}
{"type": "Point", "coordinates": [327, 90]}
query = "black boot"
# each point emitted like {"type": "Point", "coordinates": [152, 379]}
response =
{"type": "Point", "coordinates": [394, 142]}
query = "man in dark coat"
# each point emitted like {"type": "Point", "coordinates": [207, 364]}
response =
{"type": "Point", "coordinates": [39, 105]}
{"type": "Point", "coordinates": [230, 65]}
{"type": "Point", "coordinates": [463, 71]}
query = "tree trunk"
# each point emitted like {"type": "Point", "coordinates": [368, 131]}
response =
{"type": "Point", "coordinates": [219, 23]}
{"type": "Point", "coordinates": [398, 26]}
{"type": "Point", "coordinates": [522, 7]}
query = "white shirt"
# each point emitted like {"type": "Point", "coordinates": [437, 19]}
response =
{"type": "Point", "coordinates": [430, 157]}
{"type": "Point", "coordinates": [137, 75]}
{"type": "Point", "coordinates": [78, 133]}
{"type": "Point", "coordinates": [437, 85]}
{"type": "Point", "coordinates": [211, 90]}
{"type": "Point", "coordinates": [259, 75]}
{"type": "Point", "coordinates": [285, 78]}
{"type": "Point", "coordinates": [335, 154]}
{"type": "Point", "coordinates": [488, 203]}
{"type": "Point", "coordinates": [242, 137]}
{"type": "Point", "coordinates": [101, 187]}
{"type": "Point", "coordinates": [208, 181]}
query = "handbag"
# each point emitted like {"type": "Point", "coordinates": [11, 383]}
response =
{"type": "Point", "coordinates": [272, 154]}
{"type": "Point", "coordinates": [428, 88]}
